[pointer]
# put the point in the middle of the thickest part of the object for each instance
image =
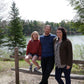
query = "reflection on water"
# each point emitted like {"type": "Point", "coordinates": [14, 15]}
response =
{"type": "Point", "coordinates": [78, 46]}
{"type": "Point", "coordinates": [77, 39]}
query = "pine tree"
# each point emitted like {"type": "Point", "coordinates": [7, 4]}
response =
{"type": "Point", "coordinates": [1, 36]}
{"type": "Point", "coordinates": [15, 36]}
{"type": "Point", "coordinates": [1, 33]}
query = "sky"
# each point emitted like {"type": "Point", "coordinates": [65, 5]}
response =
{"type": "Point", "coordinates": [45, 10]}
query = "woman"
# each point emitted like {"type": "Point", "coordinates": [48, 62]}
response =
{"type": "Point", "coordinates": [33, 51]}
{"type": "Point", "coordinates": [63, 56]}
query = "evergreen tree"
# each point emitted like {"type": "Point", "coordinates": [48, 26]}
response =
{"type": "Point", "coordinates": [1, 35]}
{"type": "Point", "coordinates": [15, 36]}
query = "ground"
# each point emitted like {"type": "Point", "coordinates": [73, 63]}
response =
{"type": "Point", "coordinates": [8, 77]}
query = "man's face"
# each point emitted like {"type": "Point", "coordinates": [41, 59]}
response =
{"type": "Point", "coordinates": [47, 30]}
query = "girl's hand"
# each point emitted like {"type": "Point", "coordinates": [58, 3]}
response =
{"type": "Point", "coordinates": [68, 67]}
{"type": "Point", "coordinates": [39, 58]}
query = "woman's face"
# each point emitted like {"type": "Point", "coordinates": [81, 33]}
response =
{"type": "Point", "coordinates": [59, 34]}
{"type": "Point", "coordinates": [35, 36]}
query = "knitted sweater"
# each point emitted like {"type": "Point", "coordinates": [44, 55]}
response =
{"type": "Point", "coordinates": [47, 45]}
{"type": "Point", "coordinates": [34, 47]}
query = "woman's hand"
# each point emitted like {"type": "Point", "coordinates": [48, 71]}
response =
{"type": "Point", "coordinates": [68, 67]}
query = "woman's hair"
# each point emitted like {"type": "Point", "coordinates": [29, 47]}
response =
{"type": "Point", "coordinates": [64, 35]}
{"type": "Point", "coordinates": [34, 32]}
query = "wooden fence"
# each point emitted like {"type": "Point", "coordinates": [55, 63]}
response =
{"type": "Point", "coordinates": [17, 57]}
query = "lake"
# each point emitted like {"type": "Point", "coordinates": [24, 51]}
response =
{"type": "Point", "coordinates": [77, 44]}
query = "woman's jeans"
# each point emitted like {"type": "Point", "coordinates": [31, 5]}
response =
{"type": "Point", "coordinates": [58, 73]}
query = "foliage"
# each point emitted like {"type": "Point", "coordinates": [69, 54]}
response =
{"type": "Point", "coordinates": [15, 33]}
{"type": "Point", "coordinates": [30, 26]}
{"type": "Point", "coordinates": [2, 33]}
{"type": "Point", "coordinates": [77, 69]}
{"type": "Point", "coordinates": [2, 24]}
{"type": "Point", "coordinates": [79, 7]}
{"type": "Point", "coordinates": [1, 36]}
{"type": "Point", "coordinates": [6, 65]}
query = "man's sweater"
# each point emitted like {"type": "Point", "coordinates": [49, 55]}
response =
{"type": "Point", "coordinates": [47, 45]}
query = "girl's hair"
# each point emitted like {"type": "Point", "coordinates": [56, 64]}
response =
{"type": "Point", "coordinates": [64, 37]}
{"type": "Point", "coordinates": [34, 32]}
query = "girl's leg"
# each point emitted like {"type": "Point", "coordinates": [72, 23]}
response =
{"type": "Point", "coordinates": [34, 61]}
{"type": "Point", "coordinates": [27, 58]}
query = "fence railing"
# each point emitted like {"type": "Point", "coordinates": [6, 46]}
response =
{"type": "Point", "coordinates": [17, 57]}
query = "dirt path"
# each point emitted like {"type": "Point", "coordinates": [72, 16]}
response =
{"type": "Point", "coordinates": [9, 78]}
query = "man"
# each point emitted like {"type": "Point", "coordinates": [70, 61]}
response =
{"type": "Point", "coordinates": [47, 58]}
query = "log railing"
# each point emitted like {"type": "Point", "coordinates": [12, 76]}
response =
{"type": "Point", "coordinates": [17, 57]}
{"type": "Point", "coordinates": [74, 61]}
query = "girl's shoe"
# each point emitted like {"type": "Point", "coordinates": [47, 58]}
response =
{"type": "Point", "coordinates": [36, 69]}
{"type": "Point", "coordinates": [30, 67]}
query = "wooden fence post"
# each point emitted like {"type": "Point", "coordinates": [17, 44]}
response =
{"type": "Point", "coordinates": [16, 66]}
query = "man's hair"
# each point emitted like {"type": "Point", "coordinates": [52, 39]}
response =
{"type": "Point", "coordinates": [48, 26]}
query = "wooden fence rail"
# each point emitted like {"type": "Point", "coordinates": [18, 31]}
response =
{"type": "Point", "coordinates": [17, 57]}
{"type": "Point", "coordinates": [74, 61]}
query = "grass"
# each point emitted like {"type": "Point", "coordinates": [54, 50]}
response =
{"type": "Point", "coordinates": [78, 69]}
{"type": "Point", "coordinates": [6, 65]}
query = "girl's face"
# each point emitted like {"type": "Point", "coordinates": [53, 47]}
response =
{"type": "Point", "coordinates": [35, 36]}
{"type": "Point", "coordinates": [59, 34]}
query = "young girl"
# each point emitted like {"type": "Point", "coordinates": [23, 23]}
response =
{"type": "Point", "coordinates": [33, 51]}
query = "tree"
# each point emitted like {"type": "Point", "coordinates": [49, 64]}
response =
{"type": "Point", "coordinates": [15, 36]}
{"type": "Point", "coordinates": [1, 34]}
{"type": "Point", "coordinates": [79, 7]}
{"type": "Point", "coordinates": [2, 31]}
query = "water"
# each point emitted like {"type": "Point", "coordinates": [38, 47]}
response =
{"type": "Point", "coordinates": [78, 46]}
{"type": "Point", "coordinates": [77, 39]}
{"type": "Point", "coordinates": [77, 43]}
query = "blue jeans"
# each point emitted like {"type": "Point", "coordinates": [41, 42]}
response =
{"type": "Point", "coordinates": [47, 64]}
{"type": "Point", "coordinates": [58, 73]}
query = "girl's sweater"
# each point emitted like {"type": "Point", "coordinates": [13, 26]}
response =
{"type": "Point", "coordinates": [34, 47]}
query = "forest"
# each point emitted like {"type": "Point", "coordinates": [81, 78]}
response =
{"type": "Point", "coordinates": [15, 29]}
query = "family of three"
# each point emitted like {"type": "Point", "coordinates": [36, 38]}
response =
{"type": "Point", "coordinates": [51, 49]}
